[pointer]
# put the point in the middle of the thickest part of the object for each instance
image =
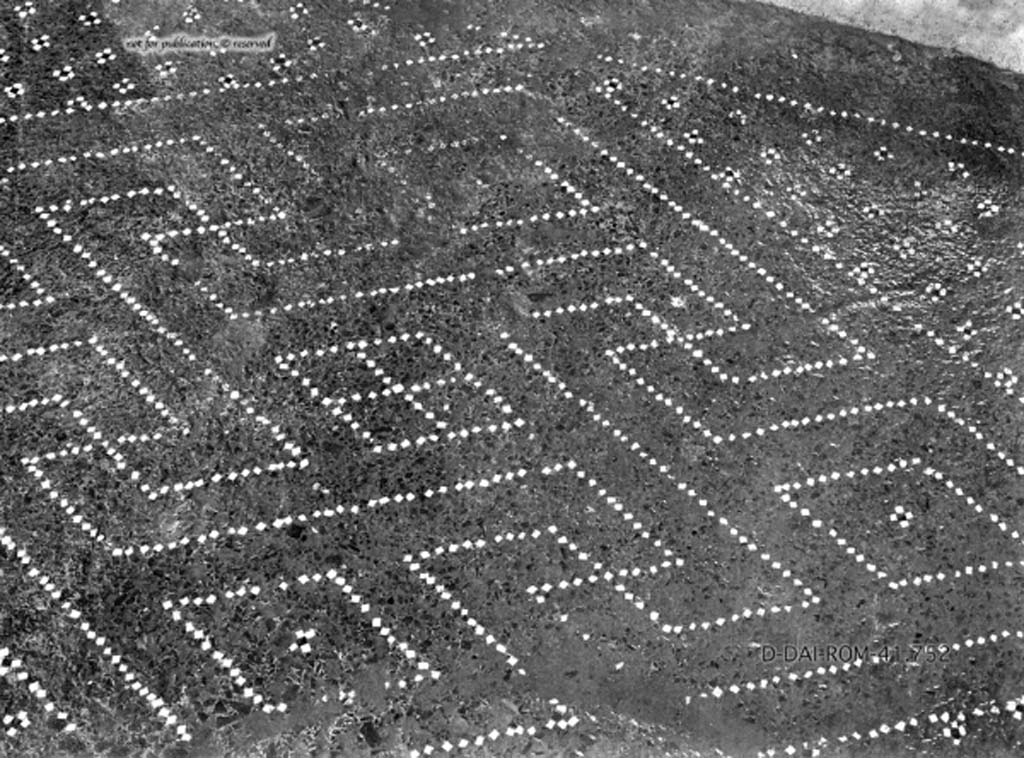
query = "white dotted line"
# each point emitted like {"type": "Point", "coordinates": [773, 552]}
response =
{"type": "Point", "coordinates": [687, 340]}
{"type": "Point", "coordinates": [296, 157]}
{"type": "Point", "coordinates": [535, 218]}
{"type": "Point", "coordinates": [12, 667]}
{"type": "Point", "coordinates": [143, 438]}
{"type": "Point", "coordinates": [571, 258]}
{"type": "Point", "coordinates": [180, 96]}
{"type": "Point", "coordinates": [724, 180]}
{"type": "Point", "coordinates": [108, 279]}
{"type": "Point", "coordinates": [956, 574]}
{"type": "Point", "coordinates": [370, 4]}
{"type": "Point", "coordinates": [462, 743]}
{"type": "Point", "coordinates": [561, 310]}
{"type": "Point", "coordinates": [472, 623]}
{"type": "Point", "coordinates": [939, 476]}
{"type": "Point", "coordinates": [452, 435]}
{"type": "Point", "coordinates": [151, 319]}
{"type": "Point", "coordinates": [716, 305]}
{"type": "Point", "coordinates": [808, 107]}
{"type": "Point", "coordinates": [794, 677]}
{"type": "Point", "coordinates": [229, 476]}
{"type": "Point", "coordinates": [147, 394]}
{"type": "Point", "coordinates": [860, 354]}
{"type": "Point", "coordinates": [687, 216]}
{"type": "Point", "coordinates": [671, 335]}
{"type": "Point", "coordinates": [31, 465]}
{"type": "Point", "coordinates": [284, 363]}
{"type": "Point", "coordinates": [357, 397]}
{"type": "Point", "coordinates": [479, 52]}
{"type": "Point", "coordinates": [478, 629]}
{"type": "Point", "coordinates": [226, 164]}
{"type": "Point", "coordinates": [97, 154]}
{"type": "Point", "coordinates": [769, 214]}
{"type": "Point", "coordinates": [1003, 379]}
{"type": "Point", "coordinates": [789, 370]}
{"type": "Point", "coordinates": [74, 449]}
{"type": "Point", "coordinates": [973, 430]}
{"type": "Point", "coordinates": [876, 407]}
{"type": "Point", "coordinates": [43, 297]}
{"type": "Point", "coordinates": [564, 184]}
{"type": "Point", "coordinates": [155, 240]}
{"type": "Point", "coordinates": [221, 230]}
{"type": "Point", "coordinates": [772, 216]}
{"type": "Point", "coordinates": [284, 522]}
{"type": "Point", "coordinates": [663, 469]}
{"type": "Point", "coordinates": [177, 194]}
{"type": "Point", "coordinates": [784, 490]}
{"type": "Point", "coordinates": [539, 594]}
{"type": "Point", "coordinates": [304, 120]}
{"type": "Point", "coordinates": [36, 402]}
{"type": "Point", "coordinates": [88, 202]}
{"type": "Point", "coordinates": [438, 147]}
{"type": "Point", "coordinates": [820, 418]}
{"type": "Point", "coordinates": [228, 664]}
{"type": "Point", "coordinates": [339, 253]}
{"type": "Point", "coordinates": [586, 207]}
{"type": "Point", "coordinates": [552, 532]}
{"type": "Point", "coordinates": [1015, 707]}
{"type": "Point", "coordinates": [332, 299]}
{"type": "Point", "coordinates": [619, 507]}
{"type": "Point", "coordinates": [332, 576]}
{"type": "Point", "coordinates": [661, 397]}
{"type": "Point", "coordinates": [415, 566]}
{"type": "Point", "coordinates": [391, 387]}
{"type": "Point", "coordinates": [698, 354]}
{"type": "Point", "coordinates": [155, 702]}
{"type": "Point", "coordinates": [430, 101]}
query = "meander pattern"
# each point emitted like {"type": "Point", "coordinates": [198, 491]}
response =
{"type": "Point", "coordinates": [455, 389]}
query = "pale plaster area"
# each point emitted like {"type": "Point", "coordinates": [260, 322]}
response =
{"type": "Point", "coordinates": [991, 30]}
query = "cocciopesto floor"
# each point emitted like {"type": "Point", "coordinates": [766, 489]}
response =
{"type": "Point", "coordinates": [460, 378]}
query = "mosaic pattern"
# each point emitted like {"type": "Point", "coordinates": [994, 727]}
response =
{"type": "Point", "coordinates": [447, 382]}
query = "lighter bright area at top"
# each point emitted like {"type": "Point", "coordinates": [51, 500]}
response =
{"type": "Point", "coordinates": [991, 30]}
